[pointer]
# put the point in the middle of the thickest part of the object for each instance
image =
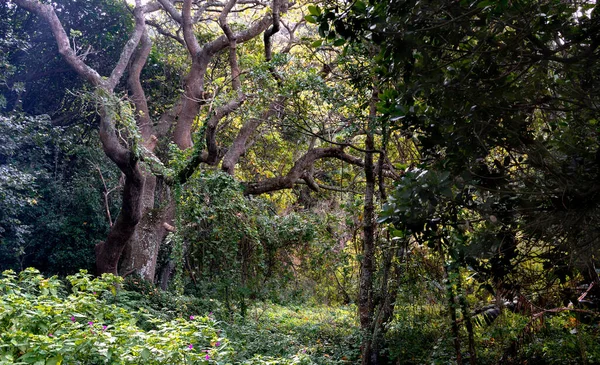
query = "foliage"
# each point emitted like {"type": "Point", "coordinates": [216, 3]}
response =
{"type": "Point", "coordinates": [325, 335]}
{"type": "Point", "coordinates": [54, 177]}
{"type": "Point", "coordinates": [480, 89]}
{"type": "Point", "coordinates": [17, 187]}
{"type": "Point", "coordinates": [97, 30]}
{"type": "Point", "coordinates": [238, 246]}
{"type": "Point", "coordinates": [41, 323]}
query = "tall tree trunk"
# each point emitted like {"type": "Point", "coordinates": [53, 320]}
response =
{"type": "Point", "coordinates": [365, 296]}
{"type": "Point", "coordinates": [141, 251]}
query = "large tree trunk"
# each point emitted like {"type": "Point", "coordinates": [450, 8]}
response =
{"type": "Point", "coordinates": [176, 125]}
{"type": "Point", "coordinates": [141, 254]}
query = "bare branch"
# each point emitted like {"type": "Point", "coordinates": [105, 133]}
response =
{"type": "Point", "coordinates": [138, 96]}
{"type": "Point", "coordinates": [129, 48]}
{"type": "Point", "coordinates": [233, 64]}
{"type": "Point", "coordinates": [105, 193]}
{"type": "Point", "coordinates": [161, 30]}
{"type": "Point", "coordinates": [188, 30]}
{"type": "Point", "coordinates": [47, 12]}
{"type": "Point", "coordinates": [170, 8]}
{"type": "Point", "coordinates": [220, 43]}
{"type": "Point", "coordinates": [211, 127]}
{"type": "Point", "coordinates": [330, 187]}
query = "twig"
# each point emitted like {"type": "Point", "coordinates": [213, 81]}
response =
{"type": "Point", "coordinates": [105, 193]}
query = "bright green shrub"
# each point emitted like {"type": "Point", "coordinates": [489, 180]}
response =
{"type": "Point", "coordinates": [42, 323]}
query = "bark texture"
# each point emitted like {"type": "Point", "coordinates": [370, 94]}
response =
{"type": "Point", "coordinates": [365, 295]}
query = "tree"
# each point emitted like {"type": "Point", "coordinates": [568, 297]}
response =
{"type": "Point", "coordinates": [488, 91]}
{"type": "Point", "coordinates": [137, 144]}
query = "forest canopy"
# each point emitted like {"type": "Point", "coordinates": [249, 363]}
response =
{"type": "Point", "coordinates": [426, 162]}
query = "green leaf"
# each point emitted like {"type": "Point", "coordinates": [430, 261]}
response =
{"type": "Point", "coordinates": [339, 42]}
{"type": "Point", "coordinates": [310, 19]}
{"type": "Point", "coordinates": [359, 7]}
{"type": "Point", "coordinates": [314, 10]}
{"type": "Point", "coordinates": [317, 43]}
{"type": "Point", "coordinates": [145, 354]}
{"type": "Point", "coordinates": [56, 360]}
{"type": "Point", "coordinates": [485, 4]}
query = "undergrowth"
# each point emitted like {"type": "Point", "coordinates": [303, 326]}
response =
{"type": "Point", "coordinates": [86, 320]}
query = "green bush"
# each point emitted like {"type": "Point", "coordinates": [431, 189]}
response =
{"type": "Point", "coordinates": [95, 321]}
{"type": "Point", "coordinates": [42, 323]}
{"type": "Point", "coordinates": [562, 339]}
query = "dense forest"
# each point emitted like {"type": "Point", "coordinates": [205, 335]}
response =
{"type": "Point", "coordinates": [277, 182]}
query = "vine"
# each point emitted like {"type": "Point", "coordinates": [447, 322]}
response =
{"type": "Point", "coordinates": [184, 168]}
{"type": "Point", "coordinates": [122, 112]}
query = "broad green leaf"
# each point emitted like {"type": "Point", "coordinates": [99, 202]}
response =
{"type": "Point", "coordinates": [145, 354]}
{"type": "Point", "coordinates": [310, 19]}
{"type": "Point", "coordinates": [339, 42]}
{"type": "Point", "coordinates": [314, 10]}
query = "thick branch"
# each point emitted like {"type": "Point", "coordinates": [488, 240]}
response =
{"type": "Point", "coordinates": [128, 49]}
{"type": "Point", "coordinates": [170, 8]}
{"type": "Point", "coordinates": [137, 92]}
{"type": "Point", "coordinates": [188, 29]}
{"type": "Point", "coordinates": [330, 187]}
{"type": "Point", "coordinates": [299, 169]}
{"type": "Point", "coordinates": [272, 30]}
{"type": "Point", "coordinates": [211, 48]}
{"type": "Point", "coordinates": [211, 127]}
{"type": "Point", "coordinates": [233, 64]}
{"type": "Point", "coordinates": [211, 156]}
{"type": "Point", "coordinates": [187, 109]}
{"type": "Point", "coordinates": [47, 12]}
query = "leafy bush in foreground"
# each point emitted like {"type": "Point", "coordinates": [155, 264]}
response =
{"type": "Point", "coordinates": [41, 322]}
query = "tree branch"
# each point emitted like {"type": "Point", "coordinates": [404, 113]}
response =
{"type": "Point", "coordinates": [46, 12]}
{"type": "Point", "coordinates": [211, 127]}
{"type": "Point", "coordinates": [129, 48]}
{"type": "Point", "coordinates": [300, 167]}
{"type": "Point", "coordinates": [188, 30]}
{"type": "Point", "coordinates": [233, 64]}
{"type": "Point", "coordinates": [159, 28]}
{"type": "Point", "coordinates": [170, 8]}
{"type": "Point", "coordinates": [137, 92]}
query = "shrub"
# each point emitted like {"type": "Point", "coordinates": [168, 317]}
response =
{"type": "Point", "coordinates": [43, 323]}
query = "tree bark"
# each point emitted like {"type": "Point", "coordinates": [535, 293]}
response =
{"type": "Point", "coordinates": [365, 295]}
{"type": "Point", "coordinates": [141, 251]}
